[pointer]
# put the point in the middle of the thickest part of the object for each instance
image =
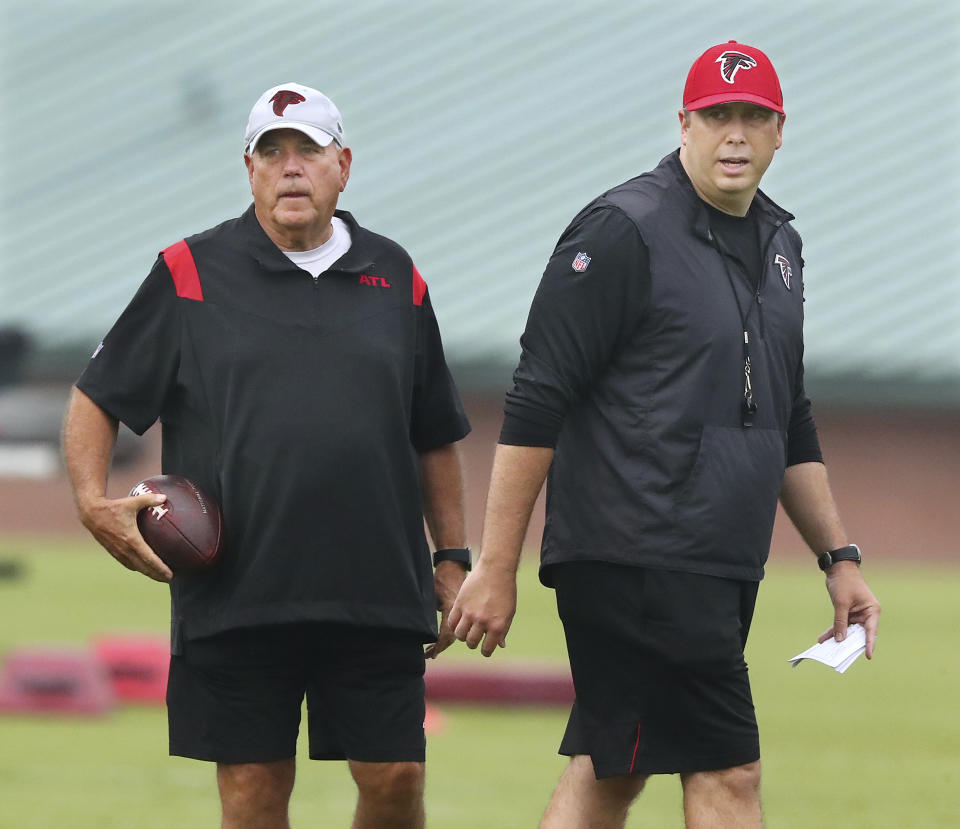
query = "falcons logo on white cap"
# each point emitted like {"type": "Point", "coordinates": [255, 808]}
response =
{"type": "Point", "coordinates": [732, 62]}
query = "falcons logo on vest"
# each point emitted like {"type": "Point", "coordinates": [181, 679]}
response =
{"type": "Point", "coordinates": [285, 98]}
{"type": "Point", "coordinates": [733, 62]}
{"type": "Point", "coordinates": [785, 271]}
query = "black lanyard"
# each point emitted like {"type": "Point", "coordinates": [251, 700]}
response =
{"type": "Point", "coordinates": [748, 408]}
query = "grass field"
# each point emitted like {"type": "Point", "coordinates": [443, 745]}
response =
{"type": "Point", "coordinates": [874, 748]}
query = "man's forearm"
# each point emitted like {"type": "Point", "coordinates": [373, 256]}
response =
{"type": "Point", "coordinates": [806, 497]}
{"type": "Point", "coordinates": [515, 482]}
{"type": "Point", "coordinates": [808, 501]}
{"type": "Point", "coordinates": [442, 488]}
{"type": "Point", "coordinates": [89, 435]}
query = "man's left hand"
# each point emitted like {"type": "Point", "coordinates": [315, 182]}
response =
{"type": "Point", "coordinates": [853, 602]}
{"type": "Point", "coordinates": [447, 579]}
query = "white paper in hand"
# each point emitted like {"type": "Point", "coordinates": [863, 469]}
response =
{"type": "Point", "coordinates": [838, 655]}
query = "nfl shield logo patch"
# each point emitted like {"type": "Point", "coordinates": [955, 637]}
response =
{"type": "Point", "coordinates": [580, 262]}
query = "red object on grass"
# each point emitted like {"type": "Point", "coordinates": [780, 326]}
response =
{"type": "Point", "coordinates": [44, 680]}
{"type": "Point", "coordinates": [137, 666]}
{"type": "Point", "coordinates": [522, 685]}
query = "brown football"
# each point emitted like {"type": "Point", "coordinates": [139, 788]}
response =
{"type": "Point", "coordinates": [186, 531]}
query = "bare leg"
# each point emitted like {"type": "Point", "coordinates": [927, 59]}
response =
{"type": "Point", "coordinates": [580, 801]}
{"type": "Point", "coordinates": [725, 799]}
{"type": "Point", "coordinates": [390, 795]}
{"type": "Point", "coordinates": [255, 795]}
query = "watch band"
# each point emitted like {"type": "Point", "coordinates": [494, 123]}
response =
{"type": "Point", "coordinates": [461, 555]}
{"type": "Point", "coordinates": [849, 553]}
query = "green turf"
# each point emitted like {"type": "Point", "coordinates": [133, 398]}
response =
{"type": "Point", "coordinates": [877, 747]}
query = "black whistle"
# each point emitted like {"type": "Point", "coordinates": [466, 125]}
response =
{"type": "Point", "coordinates": [748, 411]}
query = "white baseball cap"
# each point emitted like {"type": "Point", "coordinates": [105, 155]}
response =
{"type": "Point", "coordinates": [296, 107]}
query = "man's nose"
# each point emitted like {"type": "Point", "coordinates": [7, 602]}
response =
{"type": "Point", "coordinates": [291, 164]}
{"type": "Point", "coordinates": [735, 130]}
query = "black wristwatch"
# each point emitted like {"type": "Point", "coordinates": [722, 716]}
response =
{"type": "Point", "coordinates": [461, 555]}
{"type": "Point", "coordinates": [849, 553]}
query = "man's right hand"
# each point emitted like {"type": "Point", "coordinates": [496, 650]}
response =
{"type": "Point", "coordinates": [485, 607]}
{"type": "Point", "coordinates": [113, 522]}
{"type": "Point", "coordinates": [487, 600]}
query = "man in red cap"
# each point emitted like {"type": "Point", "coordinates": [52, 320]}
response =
{"type": "Point", "coordinates": [661, 385]}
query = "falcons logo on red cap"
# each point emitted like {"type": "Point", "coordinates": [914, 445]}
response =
{"type": "Point", "coordinates": [284, 98]}
{"type": "Point", "coordinates": [732, 62]}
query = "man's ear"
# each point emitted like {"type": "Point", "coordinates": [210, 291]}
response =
{"type": "Point", "coordinates": [346, 159]}
{"type": "Point", "coordinates": [684, 126]}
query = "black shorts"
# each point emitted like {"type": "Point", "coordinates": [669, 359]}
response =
{"type": "Point", "coordinates": [657, 661]}
{"type": "Point", "coordinates": [236, 697]}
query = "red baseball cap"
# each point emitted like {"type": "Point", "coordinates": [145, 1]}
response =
{"type": "Point", "coordinates": [732, 72]}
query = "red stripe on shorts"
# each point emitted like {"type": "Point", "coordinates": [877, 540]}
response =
{"type": "Point", "coordinates": [636, 746]}
{"type": "Point", "coordinates": [419, 287]}
{"type": "Point", "coordinates": [183, 269]}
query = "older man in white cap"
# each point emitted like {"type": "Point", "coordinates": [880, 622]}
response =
{"type": "Point", "coordinates": [295, 363]}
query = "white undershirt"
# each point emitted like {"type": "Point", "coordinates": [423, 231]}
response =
{"type": "Point", "coordinates": [316, 261]}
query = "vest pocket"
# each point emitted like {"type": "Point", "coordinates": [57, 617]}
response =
{"type": "Point", "coordinates": [726, 507]}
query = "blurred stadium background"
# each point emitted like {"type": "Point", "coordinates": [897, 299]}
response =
{"type": "Point", "coordinates": [478, 130]}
